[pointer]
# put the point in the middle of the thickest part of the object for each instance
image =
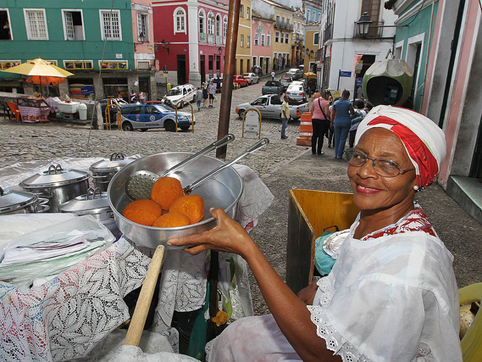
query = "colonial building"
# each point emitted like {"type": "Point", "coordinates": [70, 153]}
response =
{"type": "Point", "coordinates": [261, 27]}
{"type": "Point", "coordinates": [312, 43]}
{"type": "Point", "coordinates": [243, 48]}
{"type": "Point", "coordinates": [441, 41]}
{"type": "Point", "coordinates": [190, 36]}
{"type": "Point", "coordinates": [86, 38]}
{"type": "Point", "coordinates": [348, 52]}
{"type": "Point", "coordinates": [298, 37]}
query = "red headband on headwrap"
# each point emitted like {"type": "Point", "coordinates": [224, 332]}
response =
{"type": "Point", "coordinates": [417, 150]}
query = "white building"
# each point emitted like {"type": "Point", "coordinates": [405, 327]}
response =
{"type": "Point", "coordinates": [347, 53]}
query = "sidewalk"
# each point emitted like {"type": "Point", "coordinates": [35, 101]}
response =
{"type": "Point", "coordinates": [459, 232]}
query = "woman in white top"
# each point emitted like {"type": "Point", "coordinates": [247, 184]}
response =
{"type": "Point", "coordinates": [391, 295]}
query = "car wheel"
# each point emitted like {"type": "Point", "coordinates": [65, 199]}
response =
{"type": "Point", "coordinates": [170, 126]}
{"type": "Point", "coordinates": [241, 113]}
{"type": "Point", "coordinates": [143, 129]}
{"type": "Point", "coordinates": [127, 126]}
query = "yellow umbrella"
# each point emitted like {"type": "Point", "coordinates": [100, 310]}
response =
{"type": "Point", "coordinates": [37, 69]}
{"type": "Point", "coordinates": [310, 75]}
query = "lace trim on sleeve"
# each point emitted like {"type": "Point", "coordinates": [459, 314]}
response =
{"type": "Point", "coordinates": [334, 341]}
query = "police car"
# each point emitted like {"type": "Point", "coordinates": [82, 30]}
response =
{"type": "Point", "coordinates": [182, 93]}
{"type": "Point", "coordinates": [145, 116]}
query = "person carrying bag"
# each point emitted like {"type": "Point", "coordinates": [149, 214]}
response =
{"type": "Point", "coordinates": [320, 108]}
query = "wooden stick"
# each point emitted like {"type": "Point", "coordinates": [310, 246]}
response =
{"type": "Point", "coordinates": [143, 304]}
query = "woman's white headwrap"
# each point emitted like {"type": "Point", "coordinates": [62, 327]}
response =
{"type": "Point", "coordinates": [424, 141]}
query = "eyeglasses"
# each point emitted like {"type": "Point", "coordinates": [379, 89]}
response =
{"type": "Point", "coordinates": [382, 166]}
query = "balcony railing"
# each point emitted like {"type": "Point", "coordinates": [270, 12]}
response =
{"type": "Point", "coordinates": [374, 31]}
{"type": "Point", "coordinates": [283, 26]}
{"type": "Point", "coordinates": [328, 33]}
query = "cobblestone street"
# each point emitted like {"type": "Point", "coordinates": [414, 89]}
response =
{"type": "Point", "coordinates": [45, 141]}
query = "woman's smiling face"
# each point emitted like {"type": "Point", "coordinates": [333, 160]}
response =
{"type": "Point", "coordinates": [373, 193]}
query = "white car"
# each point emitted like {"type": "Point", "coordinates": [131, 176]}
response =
{"type": "Point", "coordinates": [185, 92]}
{"type": "Point", "coordinates": [296, 91]}
{"type": "Point", "coordinates": [252, 78]}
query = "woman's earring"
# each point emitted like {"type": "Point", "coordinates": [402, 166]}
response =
{"type": "Point", "coordinates": [415, 188]}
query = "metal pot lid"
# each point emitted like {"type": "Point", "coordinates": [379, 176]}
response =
{"type": "Point", "coordinates": [14, 200]}
{"type": "Point", "coordinates": [114, 164]}
{"type": "Point", "coordinates": [93, 202]}
{"type": "Point", "coordinates": [55, 176]}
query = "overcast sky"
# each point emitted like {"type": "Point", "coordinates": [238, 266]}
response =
{"type": "Point", "coordinates": [290, 3]}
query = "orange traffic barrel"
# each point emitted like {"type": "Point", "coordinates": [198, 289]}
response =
{"type": "Point", "coordinates": [306, 130]}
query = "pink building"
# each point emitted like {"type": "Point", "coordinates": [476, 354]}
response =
{"type": "Point", "coordinates": [262, 49]}
{"type": "Point", "coordinates": [190, 38]}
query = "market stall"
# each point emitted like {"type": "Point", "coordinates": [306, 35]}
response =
{"type": "Point", "coordinates": [33, 109]}
{"type": "Point", "coordinates": [72, 314]}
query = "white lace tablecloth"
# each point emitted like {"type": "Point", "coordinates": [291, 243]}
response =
{"type": "Point", "coordinates": [67, 317]}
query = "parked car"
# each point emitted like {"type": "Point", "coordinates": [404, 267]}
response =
{"type": "Point", "coordinates": [273, 87]}
{"type": "Point", "coordinates": [295, 73]}
{"type": "Point", "coordinates": [185, 92]}
{"type": "Point", "coordinates": [145, 116]}
{"type": "Point", "coordinates": [240, 80]}
{"type": "Point", "coordinates": [252, 78]}
{"type": "Point", "coordinates": [296, 91]}
{"type": "Point", "coordinates": [286, 81]}
{"type": "Point", "coordinates": [270, 106]}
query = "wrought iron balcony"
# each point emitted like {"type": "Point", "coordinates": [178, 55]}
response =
{"type": "Point", "coordinates": [374, 31]}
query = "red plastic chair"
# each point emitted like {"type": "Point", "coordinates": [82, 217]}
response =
{"type": "Point", "coordinates": [13, 111]}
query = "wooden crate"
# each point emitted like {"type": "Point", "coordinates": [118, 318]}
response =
{"type": "Point", "coordinates": [310, 213]}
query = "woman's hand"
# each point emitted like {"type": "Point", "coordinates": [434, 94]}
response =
{"type": "Point", "coordinates": [307, 294]}
{"type": "Point", "coordinates": [227, 236]}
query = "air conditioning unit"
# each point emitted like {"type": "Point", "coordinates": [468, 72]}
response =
{"type": "Point", "coordinates": [143, 64]}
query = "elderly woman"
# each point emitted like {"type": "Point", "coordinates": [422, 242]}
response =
{"type": "Point", "coordinates": [391, 295]}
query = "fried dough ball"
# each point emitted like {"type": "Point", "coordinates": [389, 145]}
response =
{"type": "Point", "coordinates": [143, 211]}
{"type": "Point", "coordinates": [190, 205]}
{"type": "Point", "coordinates": [171, 220]}
{"type": "Point", "coordinates": [166, 190]}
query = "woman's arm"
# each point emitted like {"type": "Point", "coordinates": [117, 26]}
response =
{"type": "Point", "coordinates": [289, 311]}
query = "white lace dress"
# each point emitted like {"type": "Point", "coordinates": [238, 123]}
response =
{"type": "Point", "coordinates": [391, 296]}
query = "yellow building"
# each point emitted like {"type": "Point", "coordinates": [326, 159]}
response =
{"type": "Point", "coordinates": [312, 41]}
{"type": "Point", "coordinates": [282, 39]}
{"type": "Point", "coordinates": [243, 47]}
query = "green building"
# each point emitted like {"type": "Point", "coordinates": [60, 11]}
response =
{"type": "Point", "coordinates": [109, 50]}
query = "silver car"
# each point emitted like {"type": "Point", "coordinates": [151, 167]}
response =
{"type": "Point", "coordinates": [252, 78]}
{"type": "Point", "coordinates": [296, 91]}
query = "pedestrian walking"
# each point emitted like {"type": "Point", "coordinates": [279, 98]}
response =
{"type": "Point", "coordinates": [205, 95]}
{"type": "Point", "coordinates": [356, 118]}
{"type": "Point", "coordinates": [285, 116]}
{"type": "Point", "coordinates": [133, 96]}
{"type": "Point", "coordinates": [340, 116]}
{"type": "Point", "coordinates": [272, 75]}
{"type": "Point", "coordinates": [142, 97]}
{"type": "Point", "coordinates": [199, 98]}
{"type": "Point", "coordinates": [320, 109]}
{"type": "Point", "coordinates": [212, 91]}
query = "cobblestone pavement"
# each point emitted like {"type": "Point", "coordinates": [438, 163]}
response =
{"type": "Point", "coordinates": [44, 141]}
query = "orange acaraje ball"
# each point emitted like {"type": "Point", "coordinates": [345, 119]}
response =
{"type": "Point", "coordinates": [171, 220]}
{"type": "Point", "coordinates": [143, 211]}
{"type": "Point", "coordinates": [190, 205]}
{"type": "Point", "coordinates": [166, 190]}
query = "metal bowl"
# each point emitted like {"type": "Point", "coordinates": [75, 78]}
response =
{"type": "Point", "coordinates": [221, 191]}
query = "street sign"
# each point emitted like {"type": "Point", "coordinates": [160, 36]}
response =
{"type": "Point", "coordinates": [345, 73]}
{"type": "Point", "coordinates": [359, 81]}
{"type": "Point", "coordinates": [252, 123]}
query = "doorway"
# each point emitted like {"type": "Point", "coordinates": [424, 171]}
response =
{"type": "Point", "coordinates": [145, 86]}
{"type": "Point", "coordinates": [203, 69]}
{"type": "Point", "coordinates": [181, 69]}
